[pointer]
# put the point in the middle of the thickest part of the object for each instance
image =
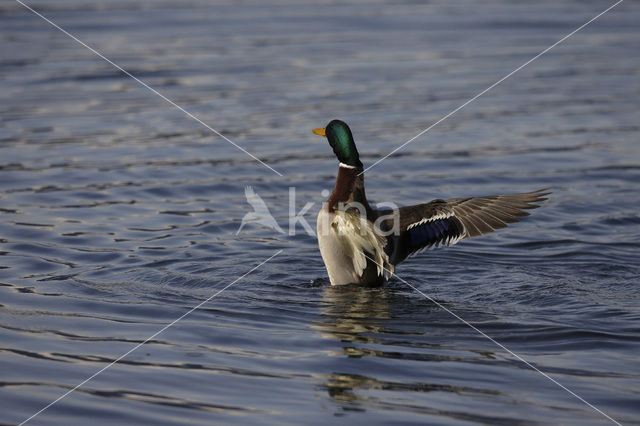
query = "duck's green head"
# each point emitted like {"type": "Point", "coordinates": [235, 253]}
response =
{"type": "Point", "coordinates": [341, 140]}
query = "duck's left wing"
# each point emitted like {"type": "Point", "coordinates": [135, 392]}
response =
{"type": "Point", "coordinates": [449, 221]}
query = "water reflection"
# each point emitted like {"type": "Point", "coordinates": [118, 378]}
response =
{"type": "Point", "coordinates": [352, 314]}
{"type": "Point", "coordinates": [361, 317]}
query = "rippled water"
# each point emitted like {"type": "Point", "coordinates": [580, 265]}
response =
{"type": "Point", "coordinates": [118, 213]}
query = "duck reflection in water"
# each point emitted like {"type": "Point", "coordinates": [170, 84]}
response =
{"type": "Point", "coordinates": [351, 311]}
{"type": "Point", "coordinates": [359, 318]}
{"type": "Point", "coordinates": [354, 315]}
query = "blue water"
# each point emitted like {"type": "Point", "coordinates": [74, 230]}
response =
{"type": "Point", "coordinates": [118, 213]}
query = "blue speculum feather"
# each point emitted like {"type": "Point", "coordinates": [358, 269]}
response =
{"type": "Point", "coordinates": [428, 233]}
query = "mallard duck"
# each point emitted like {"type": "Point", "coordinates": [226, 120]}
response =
{"type": "Point", "coordinates": [360, 245]}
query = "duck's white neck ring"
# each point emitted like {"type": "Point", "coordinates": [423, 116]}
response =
{"type": "Point", "coordinates": [346, 166]}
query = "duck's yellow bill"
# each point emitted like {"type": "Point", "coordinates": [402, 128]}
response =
{"type": "Point", "coordinates": [319, 132]}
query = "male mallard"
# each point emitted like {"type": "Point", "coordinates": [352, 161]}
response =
{"type": "Point", "coordinates": [360, 245]}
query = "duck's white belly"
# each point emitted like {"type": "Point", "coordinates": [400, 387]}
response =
{"type": "Point", "coordinates": [336, 259]}
{"type": "Point", "coordinates": [352, 250]}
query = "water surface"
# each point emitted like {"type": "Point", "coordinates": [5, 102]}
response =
{"type": "Point", "coordinates": [118, 213]}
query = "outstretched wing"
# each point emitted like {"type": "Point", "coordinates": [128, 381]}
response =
{"type": "Point", "coordinates": [448, 221]}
